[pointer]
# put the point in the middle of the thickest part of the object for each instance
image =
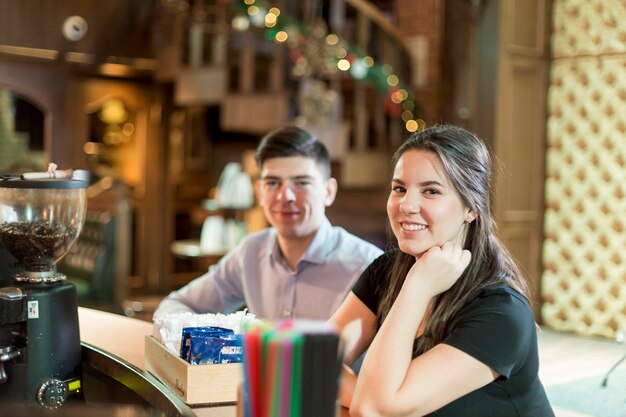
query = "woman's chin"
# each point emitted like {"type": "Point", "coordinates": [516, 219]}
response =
{"type": "Point", "coordinates": [412, 249]}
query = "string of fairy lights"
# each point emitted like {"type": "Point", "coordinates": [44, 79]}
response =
{"type": "Point", "coordinates": [315, 51]}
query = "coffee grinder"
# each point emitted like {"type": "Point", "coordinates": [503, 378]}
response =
{"type": "Point", "coordinates": [40, 352]}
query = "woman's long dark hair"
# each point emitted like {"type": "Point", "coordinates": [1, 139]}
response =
{"type": "Point", "coordinates": [467, 165]}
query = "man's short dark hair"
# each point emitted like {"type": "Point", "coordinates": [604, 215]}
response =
{"type": "Point", "coordinates": [293, 141]}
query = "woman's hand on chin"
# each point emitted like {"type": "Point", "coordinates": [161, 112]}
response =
{"type": "Point", "coordinates": [439, 267]}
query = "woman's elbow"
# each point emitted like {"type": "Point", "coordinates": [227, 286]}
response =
{"type": "Point", "coordinates": [361, 408]}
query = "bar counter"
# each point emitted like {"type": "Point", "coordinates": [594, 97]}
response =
{"type": "Point", "coordinates": [124, 337]}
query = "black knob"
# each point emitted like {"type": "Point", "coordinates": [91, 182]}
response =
{"type": "Point", "coordinates": [7, 353]}
{"type": "Point", "coordinates": [52, 393]}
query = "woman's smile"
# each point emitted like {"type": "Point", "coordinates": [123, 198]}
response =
{"type": "Point", "coordinates": [413, 227]}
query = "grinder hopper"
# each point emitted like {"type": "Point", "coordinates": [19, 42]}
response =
{"type": "Point", "coordinates": [39, 222]}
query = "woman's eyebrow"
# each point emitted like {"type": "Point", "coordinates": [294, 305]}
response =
{"type": "Point", "coordinates": [421, 184]}
{"type": "Point", "coordinates": [431, 182]}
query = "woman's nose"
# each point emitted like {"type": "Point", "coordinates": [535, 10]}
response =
{"type": "Point", "coordinates": [410, 203]}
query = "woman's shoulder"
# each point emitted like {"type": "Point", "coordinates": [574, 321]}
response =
{"type": "Point", "coordinates": [378, 271]}
{"type": "Point", "coordinates": [500, 298]}
{"type": "Point", "coordinates": [502, 291]}
{"type": "Point", "coordinates": [497, 309]}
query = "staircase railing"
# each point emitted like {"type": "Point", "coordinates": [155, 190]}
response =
{"type": "Point", "coordinates": [346, 76]}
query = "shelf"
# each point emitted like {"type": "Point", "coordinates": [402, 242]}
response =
{"type": "Point", "coordinates": [190, 248]}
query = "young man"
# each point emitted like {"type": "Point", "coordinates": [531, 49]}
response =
{"type": "Point", "coordinates": [302, 266]}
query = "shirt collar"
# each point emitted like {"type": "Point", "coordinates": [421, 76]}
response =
{"type": "Point", "coordinates": [321, 244]}
{"type": "Point", "coordinates": [318, 250]}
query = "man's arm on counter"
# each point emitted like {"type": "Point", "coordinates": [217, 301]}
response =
{"type": "Point", "coordinates": [219, 290]}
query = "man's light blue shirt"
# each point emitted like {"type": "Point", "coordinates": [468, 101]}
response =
{"type": "Point", "coordinates": [255, 274]}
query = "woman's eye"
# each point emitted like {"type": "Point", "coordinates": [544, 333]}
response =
{"type": "Point", "coordinates": [431, 191]}
{"type": "Point", "coordinates": [398, 189]}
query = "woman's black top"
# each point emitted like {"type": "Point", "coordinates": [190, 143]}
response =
{"type": "Point", "coordinates": [497, 328]}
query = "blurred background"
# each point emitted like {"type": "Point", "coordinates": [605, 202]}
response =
{"type": "Point", "coordinates": [164, 101]}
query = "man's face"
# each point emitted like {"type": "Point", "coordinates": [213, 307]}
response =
{"type": "Point", "coordinates": [294, 195]}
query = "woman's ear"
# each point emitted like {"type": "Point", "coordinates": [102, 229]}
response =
{"type": "Point", "coordinates": [470, 216]}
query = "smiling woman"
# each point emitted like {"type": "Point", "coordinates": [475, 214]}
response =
{"type": "Point", "coordinates": [445, 318]}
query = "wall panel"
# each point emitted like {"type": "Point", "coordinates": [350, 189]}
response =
{"type": "Point", "coordinates": [520, 132]}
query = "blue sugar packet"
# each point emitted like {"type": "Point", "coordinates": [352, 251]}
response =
{"type": "Point", "coordinates": [207, 331]}
{"type": "Point", "coordinates": [226, 348]}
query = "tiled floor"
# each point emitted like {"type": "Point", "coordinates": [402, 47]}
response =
{"type": "Point", "coordinates": [565, 357]}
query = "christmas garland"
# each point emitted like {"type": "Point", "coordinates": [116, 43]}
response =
{"type": "Point", "coordinates": [315, 52]}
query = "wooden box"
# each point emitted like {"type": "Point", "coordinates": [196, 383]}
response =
{"type": "Point", "coordinates": [194, 384]}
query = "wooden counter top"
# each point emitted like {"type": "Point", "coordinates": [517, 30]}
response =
{"type": "Point", "coordinates": [125, 337]}
{"type": "Point", "coordinates": [120, 335]}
